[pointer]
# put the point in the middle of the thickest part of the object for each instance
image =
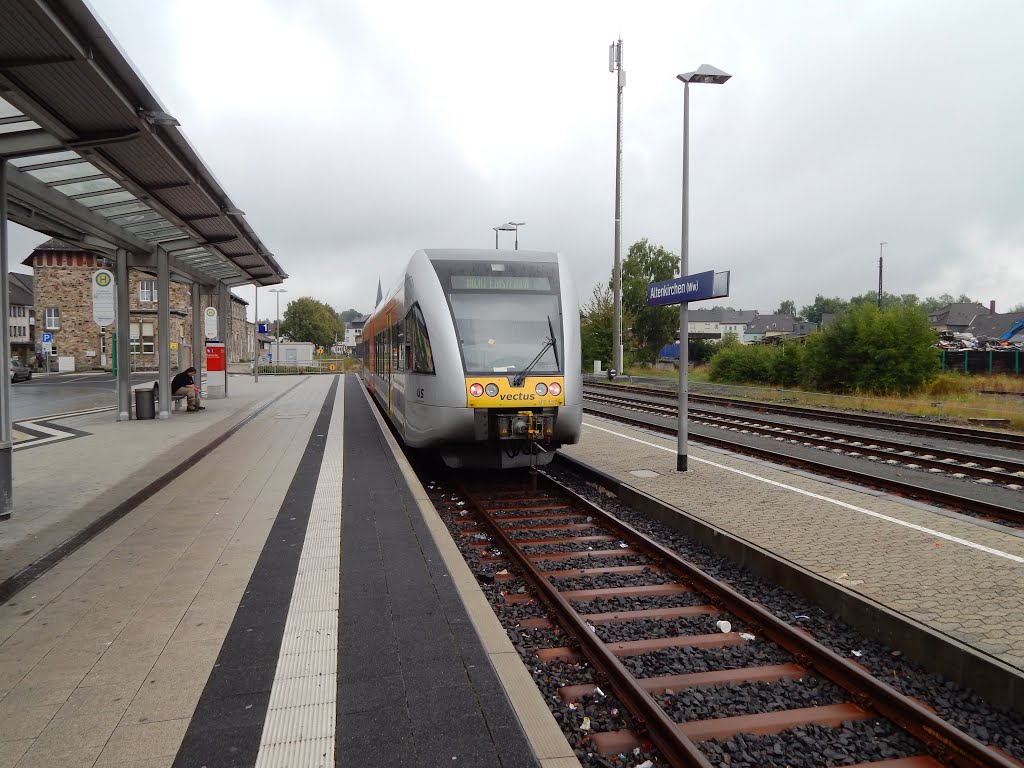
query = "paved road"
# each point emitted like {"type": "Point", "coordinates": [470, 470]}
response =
{"type": "Point", "coordinates": [47, 395]}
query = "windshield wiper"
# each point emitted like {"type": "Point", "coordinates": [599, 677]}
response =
{"type": "Point", "coordinates": [550, 343]}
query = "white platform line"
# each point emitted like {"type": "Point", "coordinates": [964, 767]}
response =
{"type": "Point", "coordinates": [837, 502]}
{"type": "Point", "coordinates": [301, 717]}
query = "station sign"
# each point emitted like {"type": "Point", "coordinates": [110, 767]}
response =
{"type": "Point", "coordinates": [703, 285]}
{"type": "Point", "coordinates": [263, 328]}
{"type": "Point", "coordinates": [210, 322]}
{"type": "Point", "coordinates": [103, 297]}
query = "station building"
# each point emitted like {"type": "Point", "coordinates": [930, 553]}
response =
{"type": "Point", "coordinates": [21, 317]}
{"type": "Point", "coordinates": [62, 306]}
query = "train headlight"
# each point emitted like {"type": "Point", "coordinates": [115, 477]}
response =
{"type": "Point", "coordinates": [491, 390]}
{"type": "Point", "coordinates": [476, 390]}
{"type": "Point", "coordinates": [555, 389]}
{"type": "Point", "coordinates": [541, 389]}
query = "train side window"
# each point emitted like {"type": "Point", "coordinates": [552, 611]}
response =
{"type": "Point", "coordinates": [399, 331]}
{"type": "Point", "coordinates": [416, 328]}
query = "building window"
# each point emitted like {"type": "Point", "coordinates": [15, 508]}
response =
{"type": "Point", "coordinates": [147, 291]}
{"type": "Point", "coordinates": [52, 318]}
{"type": "Point", "coordinates": [143, 338]}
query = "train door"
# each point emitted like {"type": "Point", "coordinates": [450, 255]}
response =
{"type": "Point", "coordinates": [388, 360]}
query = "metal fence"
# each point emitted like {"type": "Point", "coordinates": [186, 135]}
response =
{"type": "Point", "coordinates": [320, 365]}
{"type": "Point", "coordinates": [982, 361]}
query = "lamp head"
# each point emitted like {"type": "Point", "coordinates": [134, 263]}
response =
{"type": "Point", "coordinates": [705, 73]}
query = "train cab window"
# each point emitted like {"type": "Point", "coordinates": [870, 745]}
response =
{"type": "Point", "coordinates": [502, 333]}
{"type": "Point", "coordinates": [422, 359]}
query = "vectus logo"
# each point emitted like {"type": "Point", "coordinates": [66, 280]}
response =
{"type": "Point", "coordinates": [518, 396]}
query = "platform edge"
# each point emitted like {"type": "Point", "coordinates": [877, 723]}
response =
{"type": "Point", "coordinates": [545, 736]}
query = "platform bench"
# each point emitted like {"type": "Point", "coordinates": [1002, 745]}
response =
{"type": "Point", "coordinates": [177, 400]}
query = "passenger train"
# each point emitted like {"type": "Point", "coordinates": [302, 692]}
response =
{"type": "Point", "coordinates": [476, 354]}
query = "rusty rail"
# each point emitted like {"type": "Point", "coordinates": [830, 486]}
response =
{"type": "Point", "coordinates": [946, 742]}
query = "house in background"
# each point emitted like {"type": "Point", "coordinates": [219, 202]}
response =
{"type": "Point", "coordinates": [713, 324]}
{"type": "Point", "coordinates": [957, 317]}
{"type": "Point", "coordinates": [353, 333]}
{"type": "Point", "coordinates": [22, 318]}
{"type": "Point", "coordinates": [998, 325]}
{"type": "Point", "coordinates": [764, 327]}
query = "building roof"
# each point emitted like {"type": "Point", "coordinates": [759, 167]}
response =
{"type": "Point", "coordinates": [21, 289]}
{"type": "Point", "coordinates": [737, 316]}
{"type": "Point", "coordinates": [96, 159]}
{"type": "Point", "coordinates": [766, 323]}
{"type": "Point", "coordinates": [704, 315]}
{"type": "Point", "coordinates": [994, 326]}
{"type": "Point", "coordinates": [357, 322]}
{"type": "Point", "coordinates": [957, 314]}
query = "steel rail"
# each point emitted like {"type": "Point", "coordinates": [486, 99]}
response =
{"type": "Point", "coordinates": [661, 728]}
{"type": "Point", "coordinates": [1009, 440]}
{"type": "Point", "coordinates": [902, 487]}
{"type": "Point", "coordinates": [832, 439]}
{"type": "Point", "coordinates": [945, 742]}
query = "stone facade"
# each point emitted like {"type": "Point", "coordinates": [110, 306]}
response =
{"type": "Point", "coordinates": [63, 307]}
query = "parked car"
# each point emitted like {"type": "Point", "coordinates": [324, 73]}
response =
{"type": "Point", "coordinates": [19, 371]}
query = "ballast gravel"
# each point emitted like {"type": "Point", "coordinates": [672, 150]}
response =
{"type": "Point", "coordinates": [952, 702]}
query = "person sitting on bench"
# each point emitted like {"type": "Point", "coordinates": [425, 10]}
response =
{"type": "Point", "coordinates": [184, 384]}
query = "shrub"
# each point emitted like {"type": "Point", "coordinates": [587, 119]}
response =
{"type": "Point", "coordinates": [737, 364]}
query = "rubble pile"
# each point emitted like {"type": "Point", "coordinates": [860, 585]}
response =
{"type": "Point", "coordinates": [968, 342]}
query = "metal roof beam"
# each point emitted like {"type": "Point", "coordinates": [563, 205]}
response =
{"type": "Point", "coordinates": [26, 143]}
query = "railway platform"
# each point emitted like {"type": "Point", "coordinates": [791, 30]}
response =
{"type": "Point", "coordinates": [954, 578]}
{"type": "Point", "coordinates": [289, 599]}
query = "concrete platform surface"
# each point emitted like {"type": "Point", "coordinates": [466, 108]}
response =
{"type": "Point", "coordinates": [287, 601]}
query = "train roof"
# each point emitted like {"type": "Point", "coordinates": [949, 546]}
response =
{"type": "Point", "coordinates": [487, 254]}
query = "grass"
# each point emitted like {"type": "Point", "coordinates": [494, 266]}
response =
{"type": "Point", "coordinates": [953, 396]}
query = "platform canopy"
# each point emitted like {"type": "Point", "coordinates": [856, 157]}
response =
{"type": "Point", "coordinates": [96, 160]}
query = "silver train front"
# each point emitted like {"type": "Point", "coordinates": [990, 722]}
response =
{"type": "Point", "coordinates": [430, 410]}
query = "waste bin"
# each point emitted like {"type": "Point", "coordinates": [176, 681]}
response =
{"type": "Point", "coordinates": [145, 405]}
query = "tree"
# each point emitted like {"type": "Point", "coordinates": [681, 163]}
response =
{"type": "Point", "coordinates": [307, 319]}
{"type": "Point", "coordinates": [823, 306]}
{"type": "Point", "coordinates": [889, 300]}
{"type": "Point", "coordinates": [596, 319]}
{"type": "Point", "coordinates": [867, 350]}
{"type": "Point", "coordinates": [651, 327]}
{"type": "Point", "coordinates": [349, 315]}
{"type": "Point", "coordinates": [788, 307]}
{"type": "Point", "coordinates": [1017, 308]}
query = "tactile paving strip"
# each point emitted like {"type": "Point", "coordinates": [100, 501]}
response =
{"type": "Point", "coordinates": [301, 717]}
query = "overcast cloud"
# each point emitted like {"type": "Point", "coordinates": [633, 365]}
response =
{"type": "Point", "coordinates": [353, 133]}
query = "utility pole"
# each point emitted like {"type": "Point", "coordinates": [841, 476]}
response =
{"type": "Point", "coordinates": [880, 247]}
{"type": "Point", "coordinates": [615, 65]}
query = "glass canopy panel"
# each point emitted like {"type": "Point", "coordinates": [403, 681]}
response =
{"type": "Point", "coordinates": [126, 220]}
{"type": "Point", "coordinates": [151, 225]}
{"type": "Point", "coordinates": [24, 125]}
{"type": "Point", "coordinates": [83, 187]}
{"type": "Point", "coordinates": [64, 156]}
{"type": "Point", "coordinates": [118, 210]}
{"type": "Point", "coordinates": [113, 197]}
{"type": "Point", "coordinates": [65, 172]}
{"type": "Point", "coordinates": [159, 237]}
{"type": "Point", "coordinates": [6, 110]}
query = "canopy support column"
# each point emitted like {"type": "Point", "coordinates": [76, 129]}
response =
{"type": "Point", "coordinates": [6, 425]}
{"type": "Point", "coordinates": [163, 331]}
{"type": "Point", "coordinates": [198, 321]}
{"type": "Point", "coordinates": [123, 350]}
{"type": "Point", "coordinates": [224, 320]}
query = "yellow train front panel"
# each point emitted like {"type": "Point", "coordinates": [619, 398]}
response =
{"type": "Point", "coordinates": [497, 392]}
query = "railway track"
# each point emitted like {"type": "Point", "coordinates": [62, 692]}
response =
{"type": "Point", "coordinates": [632, 608]}
{"type": "Point", "coordinates": [1009, 440]}
{"type": "Point", "coordinates": [1002, 470]}
{"type": "Point", "coordinates": [657, 418]}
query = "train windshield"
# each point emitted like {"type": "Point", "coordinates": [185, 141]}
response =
{"type": "Point", "coordinates": [504, 332]}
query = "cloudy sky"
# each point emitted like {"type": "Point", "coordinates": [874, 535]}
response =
{"type": "Point", "coordinates": [354, 132]}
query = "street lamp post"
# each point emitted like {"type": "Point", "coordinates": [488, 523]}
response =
{"type": "Point", "coordinates": [256, 334]}
{"type": "Point", "coordinates": [516, 225]}
{"type": "Point", "coordinates": [615, 65]}
{"type": "Point", "coordinates": [503, 228]}
{"type": "Point", "coordinates": [705, 73]}
{"type": "Point", "coordinates": [277, 327]}
{"type": "Point", "coordinates": [880, 247]}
